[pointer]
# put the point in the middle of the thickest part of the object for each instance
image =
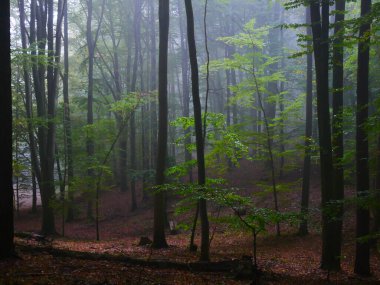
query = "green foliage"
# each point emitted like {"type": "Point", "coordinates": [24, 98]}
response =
{"type": "Point", "coordinates": [256, 219]}
{"type": "Point", "coordinates": [129, 103]}
{"type": "Point", "coordinates": [223, 144]}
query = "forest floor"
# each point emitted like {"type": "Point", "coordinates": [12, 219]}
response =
{"type": "Point", "coordinates": [118, 259]}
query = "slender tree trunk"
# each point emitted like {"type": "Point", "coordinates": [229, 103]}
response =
{"type": "Point", "coordinates": [228, 91]}
{"type": "Point", "coordinates": [320, 29]}
{"type": "Point", "coordinates": [54, 54]}
{"type": "Point", "coordinates": [153, 83]}
{"type": "Point", "coordinates": [281, 101]}
{"type": "Point", "coordinates": [67, 118]}
{"type": "Point", "coordinates": [62, 184]}
{"type": "Point", "coordinates": [337, 123]}
{"type": "Point", "coordinates": [205, 246]}
{"type": "Point", "coordinates": [376, 226]}
{"type": "Point", "coordinates": [274, 51]}
{"type": "Point", "coordinates": [28, 107]}
{"type": "Point", "coordinates": [185, 88]}
{"type": "Point", "coordinates": [269, 142]}
{"type": "Point", "coordinates": [90, 145]}
{"type": "Point", "coordinates": [117, 94]}
{"type": "Point", "coordinates": [362, 257]}
{"type": "Point", "coordinates": [137, 29]}
{"type": "Point", "coordinates": [234, 107]}
{"type": "Point", "coordinates": [91, 46]}
{"type": "Point", "coordinates": [34, 194]}
{"type": "Point", "coordinates": [38, 36]}
{"type": "Point", "coordinates": [6, 189]}
{"type": "Point", "coordinates": [159, 240]}
{"type": "Point", "coordinates": [303, 230]}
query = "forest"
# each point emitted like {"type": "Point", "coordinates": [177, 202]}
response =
{"type": "Point", "coordinates": [189, 142]}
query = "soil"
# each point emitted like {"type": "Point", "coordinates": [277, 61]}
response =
{"type": "Point", "coordinates": [287, 259]}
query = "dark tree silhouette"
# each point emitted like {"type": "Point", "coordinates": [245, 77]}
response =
{"type": "Point", "coordinates": [91, 46]}
{"type": "Point", "coordinates": [205, 246]}
{"type": "Point", "coordinates": [319, 12]}
{"type": "Point", "coordinates": [303, 230]}
{"type": "Point", "coordinates": [137, 31]}
{"type": "Point", "coordinates": [362, 258]}
{"type": "Point", "coordinates": [6, 187]}
{"type": "Point", "coordinates": [67, 119]}
{"type": "Point", "coordinates": [337, 121]}
{"type": "Point", "coordinates": [159, 240]}
{"type": "Point", "coordinates": [29, 106]}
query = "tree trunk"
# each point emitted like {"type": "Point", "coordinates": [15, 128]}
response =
{"type": "Point", "coordinates": [38, 35]}
{"type": "Point", "coordinates": [6, 190]}
{"type": "Point", "coordinates": [153, 83]}
{"type": "Point", "coordinates": [91, 46]}
{"type": "Point", "coordinates": [185, 89]}
{"type": "Point", "coordinates": [320, 29]}
{"type": "Point", "coordinates": [337, 122]}
{"type": "Point", "coordinates": [159, 240]}
{"type": "Point", "coordinates": [67, 119]}
{"type": "Point", "coordinates": [205, 246]}
{"type": "Point", "coordinates": [137, 29]}
{"type": "Point", "coordinates": [54, 53]}
{"type": "Point", "coordinates": [303, 230]}
{"type": "Point", "coordinates": [90, 145]}
{"type": "Point", "coordinates": [362, 257]}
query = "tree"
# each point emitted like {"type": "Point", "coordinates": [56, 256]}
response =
{"type": "Point", "coordinates": [153, 82]}
{"type": "Point", "coordinates": [91, 46]}
{"type": "Point", "coordinates": [303, 230]}
{"type": "Point", "coordinates": [205, 246]}
{"type": "Point", "coordinates": [159, 240]}
{"type": "Point", "coordinates": [337, 121]}
{"type": "Point", "coordinates": [319, 12]}
{"type": "Point", "coordinates": [46, 43]}
{"type": "Point", "coordinates": [29, 105]}
{"type": "Point", "coordinates": [137, 31]}
{"type": "Point", "coordinates": [6, 184]}
{"type": "Point", "coordinates": [362, 258]}
{"type": "Point", "coordinates": [67, 119]}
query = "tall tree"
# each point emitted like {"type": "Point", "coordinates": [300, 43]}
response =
{"type": "Point", "coordinates": [205, 245]}
{"type": "Point", "coordinates": [153, 82]}
{"type": "Point", "coordinates": [38, 43]}
{"type": "Point", "coordinates": [137, 31]}
{"type": "Point", "coordinates": [185, 86]}
{"type": "Point", "coordinates": [319, 12]}
{"type": "Point", "coordinates": [362, 258]}
{"type": "Point", "coordinates": [91, 46]}
{"type": "Point", "coordinates": [29, 105]}
{"type": "Point", "coordinates": [46, 43]}
{"type": "Point", "coordinates": [6, 175]}
{"type": "Point", "coordinates": [67, 119]}
{"type": "Point", "coordinates": [303, 230]}
{"type": "Point", "coordinates": [337, 121]}
{"type": "Point", "coordinates": [159, 240]}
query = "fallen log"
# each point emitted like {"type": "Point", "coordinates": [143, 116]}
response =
{"type": "Point", "coordinates": [31, 236]}
{"type": "Point", "coordinates": [228, 266]}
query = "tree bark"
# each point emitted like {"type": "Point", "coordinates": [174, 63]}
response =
{"type": "Point", "coordinates": [362, 257]}
{"type": "Point", "coordinates": [6, 175]}
{"type": "Point", "coordinates": [303, 230]}
{"type": "Point", "coordinates": [90, 145]}
{"type": "Point", "coordinates": [320, 29]}
{"type": "Point", "coordinates": [205, 246]}
{"type": "Point", "coordinates": [137, 29]}
{"type": "Point", "coordinates": [67, 118]}
{"type": "Point", "coordinates": [91, 46]}
{"type": "Point", "coordinates": [337, 122]}
{"type": "Point", "coordinates": [159, 240]}
{"type": "Point", "coordinates": [185, 89]}
{"type": "Point", "coordinates": [153, 83]}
